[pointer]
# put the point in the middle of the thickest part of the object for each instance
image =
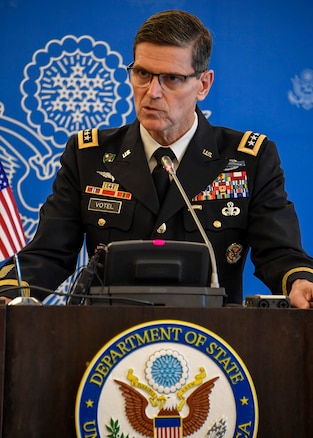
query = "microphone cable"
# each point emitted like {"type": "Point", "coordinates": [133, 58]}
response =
{"type": "Point", "coordinates": [100, 297]}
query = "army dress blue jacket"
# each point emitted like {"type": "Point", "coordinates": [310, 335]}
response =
{"type": "Point", "coordinates": [104, 192]}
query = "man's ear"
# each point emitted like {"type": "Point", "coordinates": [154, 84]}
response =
{"type": "Point", "coordinates": [206, 80]}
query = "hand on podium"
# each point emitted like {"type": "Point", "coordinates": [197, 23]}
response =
{"type": "Point", "coordinates": [301, 294]}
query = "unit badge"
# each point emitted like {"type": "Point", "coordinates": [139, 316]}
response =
{"type": "Point", "coordinates": [108, 157]}
{"type": "Point", "coordinates": [166, 378]}
{"type": "Point", "coordinates": [233, 253]}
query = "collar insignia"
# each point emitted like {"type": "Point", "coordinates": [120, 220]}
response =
{"type": "Point", "coordinates": [126, 153]}
{"type": "Point", "coordinates": [207, 153]}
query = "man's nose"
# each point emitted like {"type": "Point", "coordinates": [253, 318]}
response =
{"type": "Point", "coordinates": [155, 88]}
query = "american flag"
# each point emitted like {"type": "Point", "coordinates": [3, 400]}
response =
{"type": "Point", "coordinates": [12, 237]}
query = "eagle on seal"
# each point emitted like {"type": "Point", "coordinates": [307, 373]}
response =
{"type": "Point", "coordinates": [198, 403]}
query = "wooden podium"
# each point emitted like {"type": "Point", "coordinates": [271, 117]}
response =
{"type": "Point", "coordinates": [44, 352]}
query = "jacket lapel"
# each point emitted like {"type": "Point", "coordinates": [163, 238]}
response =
{"type": "Point", "coordinates": [131, 169]}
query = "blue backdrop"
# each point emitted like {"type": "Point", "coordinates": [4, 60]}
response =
{"type": "Point", "coordinates": [63, 69]}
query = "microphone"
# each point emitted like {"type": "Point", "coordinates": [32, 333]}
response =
{"type": "Point", "coordinates": [168, 165]}
{"type": "Point", "coordinates": [86, 277]}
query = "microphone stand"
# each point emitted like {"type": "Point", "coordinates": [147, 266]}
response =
{"type": "Point", "coordinates": [169, 167]}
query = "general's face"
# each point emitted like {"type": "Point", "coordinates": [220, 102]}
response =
{"type": "Point", "coordinates": [167, 114]}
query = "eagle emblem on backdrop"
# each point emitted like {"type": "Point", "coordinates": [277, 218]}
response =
{"type": "Point", "coordinates": [166, 378]}
{"type": "Point", "coordinates": [69, 85]}
{"type": "Point", "coordinates": [302, 93]}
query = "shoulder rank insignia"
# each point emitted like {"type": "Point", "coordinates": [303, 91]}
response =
{"type": "Point", "coordinates": [5, 270]}
{"type": "Point", "coordinates": [88, 138]}
{"type": "Point", "coordinates": [251, 143]}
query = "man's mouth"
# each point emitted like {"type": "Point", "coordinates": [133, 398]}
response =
{"type": "Point", "coordinates": [151, 109]}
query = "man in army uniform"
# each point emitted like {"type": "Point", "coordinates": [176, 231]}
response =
{"type": "Point", "coordinates": [105, 191]}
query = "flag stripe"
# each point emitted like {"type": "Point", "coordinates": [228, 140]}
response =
{"type": "Point", "coordinates": [14, 221]}
{"type": "Point", "coordinates": [7, 234]}
{"type": "Point", "coordinates": [12, 237]}
{"type": "Point", "coordinates": [8, 222]}
{"type": "Point", "coordinates": [6, 242]}
{"type": "Point", "coordinates": [168, 432]}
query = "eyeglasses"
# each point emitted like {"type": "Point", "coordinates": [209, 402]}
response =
{"type": "Point", "coordinates": [171, 81]}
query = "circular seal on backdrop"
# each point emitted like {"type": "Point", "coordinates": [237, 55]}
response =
{"type": "Point", "coordinates": [166, 378]}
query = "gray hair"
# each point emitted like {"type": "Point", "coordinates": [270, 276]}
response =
{"type": "Point", "coordinates": [181, 29]}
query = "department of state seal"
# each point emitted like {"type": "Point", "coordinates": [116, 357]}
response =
{"type": "Point", "coordinates": [166, 378]}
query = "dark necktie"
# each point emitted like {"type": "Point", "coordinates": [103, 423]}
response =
{"type": "Point", "coordinates": [159, 174]}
